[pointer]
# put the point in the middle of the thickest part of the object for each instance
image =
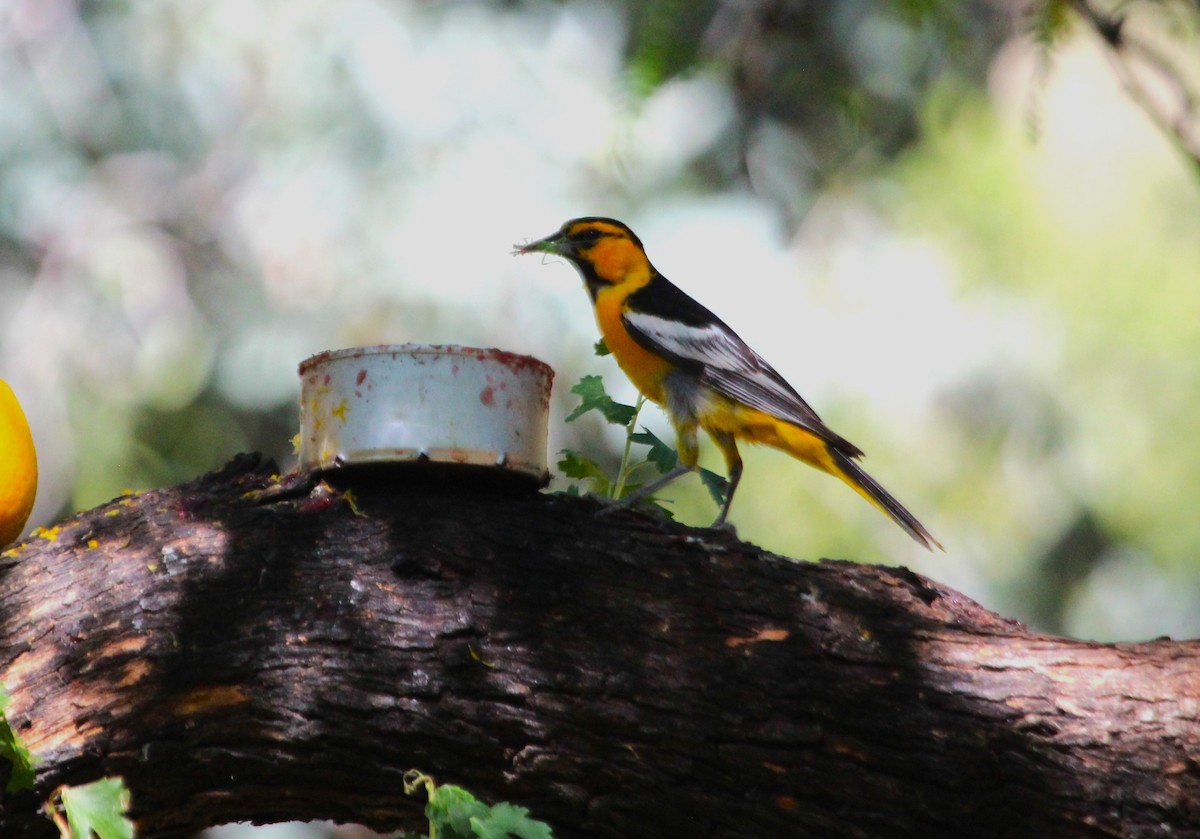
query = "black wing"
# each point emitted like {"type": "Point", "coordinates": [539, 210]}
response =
{"type": "Point", "coordinates": [664, 320]}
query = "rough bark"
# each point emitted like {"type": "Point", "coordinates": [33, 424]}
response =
{"type": "Point", "coordinates": [241, 649]}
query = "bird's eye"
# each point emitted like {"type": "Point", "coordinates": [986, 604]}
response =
{"type": "Point", "coordinates": [588, 236]}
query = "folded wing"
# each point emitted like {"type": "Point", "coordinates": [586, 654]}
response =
{"type": "Point", "coordinates": [664, 320]}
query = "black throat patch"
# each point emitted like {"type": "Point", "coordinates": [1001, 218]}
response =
{"type": "Point", "coordinates": [590, 278]}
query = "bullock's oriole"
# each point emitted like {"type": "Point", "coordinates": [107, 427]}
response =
{"type": "Point", "coordinates": [683, 357]}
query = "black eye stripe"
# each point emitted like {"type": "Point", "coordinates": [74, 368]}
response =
{"type": "Point", "coordinates": [590, 235]}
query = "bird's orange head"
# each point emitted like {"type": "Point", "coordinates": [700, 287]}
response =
{"type": "Point", "coordinates": [606, 251]}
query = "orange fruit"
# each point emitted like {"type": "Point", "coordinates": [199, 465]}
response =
{"type": "Point", "coordinates": [18, 466]}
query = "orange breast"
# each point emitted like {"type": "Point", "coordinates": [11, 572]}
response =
{"type": "Point", "coordinates": [644, 369]}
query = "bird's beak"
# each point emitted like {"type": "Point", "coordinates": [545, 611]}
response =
{"type": "Point", "coordinates": [553, 244]}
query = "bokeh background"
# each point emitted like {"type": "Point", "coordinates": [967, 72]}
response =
{"type": "Point", "coordinates": [968, 232]}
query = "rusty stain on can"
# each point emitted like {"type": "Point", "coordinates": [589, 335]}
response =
{"type": "Point", "coordinates": [422, 402]}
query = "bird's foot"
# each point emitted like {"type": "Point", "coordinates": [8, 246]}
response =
{"type": "Point", "coordinates": [608, 506]}
{"type": "Point", "coordinates": [724, 526]}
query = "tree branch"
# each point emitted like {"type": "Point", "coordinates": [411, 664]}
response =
{"type": "Point", "coordinates": [1152, 80]}
{"type": "Point", "coordinates": [238, 649]}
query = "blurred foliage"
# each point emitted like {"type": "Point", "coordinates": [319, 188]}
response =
{"type": "Point", "coordinates": [14, 751]}
{"type": "Point", "coordinates": [823, 90]}
{"type": "Point", "coordinates": [1100, 415]}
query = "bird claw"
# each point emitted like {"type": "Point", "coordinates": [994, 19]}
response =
{"type": "Point", "coordinates": [724, 527]}
{"type": "Point", "coordinates": [607, 510]}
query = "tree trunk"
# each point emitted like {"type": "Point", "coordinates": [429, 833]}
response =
{"type": "Point", "coordinates": [243, 649]}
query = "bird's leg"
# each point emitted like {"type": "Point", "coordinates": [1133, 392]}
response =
{"type": "Point", "coordinates": [646, 490]}
{"type": "Point", "coordinates": [733, 462]}
{"type": "Point", "coordinates": [689, 455]}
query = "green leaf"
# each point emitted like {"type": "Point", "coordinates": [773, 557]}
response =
{"type": "Point", "coordinates": [715, 484]}
{"type": "Point", "coordinates": [454, 813]}
{"type": "Point", "coordinates": [13, 748]}
{"type": "Point", "coordinates": [661, 455]}
{"type": "Point", "coordinates": [98, 807]}
{"type": "Point", "coordinates": [505, 820]}
{"type": "Point", "coordinates": [601, 348]}
{"type": "Point", "coordinates": [577, 465]}
{"type": "Point", "coordinates": [451, 810]}
{"type": "Point", "coordinates": [581, 467]}
{"type": "Point", "coordinates": [592, 396]}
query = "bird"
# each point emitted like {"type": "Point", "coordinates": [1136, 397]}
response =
{"type": "Point", "coordinates": [684, 358]}
{"type": "Point", "coordinates": [18, 467]}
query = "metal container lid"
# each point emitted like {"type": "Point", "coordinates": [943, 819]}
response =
{"type": "Point", "coordinates": [404, 403]}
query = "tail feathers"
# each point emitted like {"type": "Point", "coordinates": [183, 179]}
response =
{"type": "Point", "coordinates": [869, 488]}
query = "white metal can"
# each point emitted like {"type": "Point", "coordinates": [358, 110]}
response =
{"type": "Point", "coordinates": [401, 403]}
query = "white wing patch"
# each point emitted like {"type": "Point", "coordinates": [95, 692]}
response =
{"type": "Point", "coordinates": [724, 362]}
{"type": "Point", "coordinates": [709, 345]}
